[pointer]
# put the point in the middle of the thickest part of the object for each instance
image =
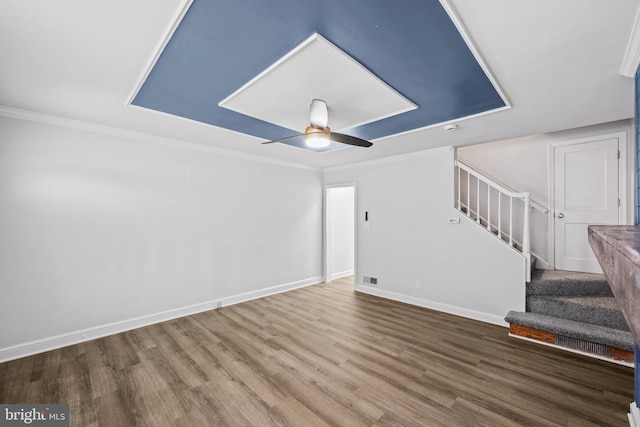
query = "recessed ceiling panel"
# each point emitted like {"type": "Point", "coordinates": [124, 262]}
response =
{"type": "Point", "coordinates": [317, 69]}
{"type": "Point", "coordinates": [412, 46]}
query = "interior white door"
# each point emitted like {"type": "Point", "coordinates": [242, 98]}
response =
{"type": "Point", "coordinates": [585, 192]}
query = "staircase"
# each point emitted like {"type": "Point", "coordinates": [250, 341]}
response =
{"type": "Point", "coordinates": [568, 310]}
{"type": "Point", "coordinates": [576, 312]}
{"type": "Point", "coordinates": [497, 208]}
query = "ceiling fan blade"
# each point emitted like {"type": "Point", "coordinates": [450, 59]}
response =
{"type": "Point", "coordinates": [348, 139]}
{"type": "Point", "coordinates": [318, 114]}
{"type": "Point", "coordinates": [288, 138]}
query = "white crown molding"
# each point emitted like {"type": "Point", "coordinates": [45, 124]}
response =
{"type": "Point", "coordinates": [88, 334]}
{"type": "Point", "coordinates": [631, 58]}
{"type": "Point", "coordinates": [16, 113]}
{"type": "Point", "coordinates": [392, 159]}
{"type": "Point", "coordinates": [179, 14]}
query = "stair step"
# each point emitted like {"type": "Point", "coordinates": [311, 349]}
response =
{"type": "Point", "coordinates": [567, 283]}
{"type": "Point", "coordinates": [595, 310]}
{"type": "Point", "coordinates": [574, 311]}
{"type": "Point", "coordinates": [570, 328]}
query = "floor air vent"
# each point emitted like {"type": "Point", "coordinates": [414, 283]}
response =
{"type": "Point", "coordinates": [586, 346]}
{"type": "Point", "coordinates": [369, 280]}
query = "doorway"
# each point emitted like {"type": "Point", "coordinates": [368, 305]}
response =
{"type": "Point", "coordinates": [339, 231]}
{"type": "Point", "coordinates": [586, 189]}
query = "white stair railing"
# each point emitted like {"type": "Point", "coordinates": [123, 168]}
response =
{"type": "Point", "coordinates": [475, 200]}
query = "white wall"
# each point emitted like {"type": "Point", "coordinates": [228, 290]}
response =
{"type": "Point", "coordinates": [341, 230]}
{"type": "Point", "coordinates": [523, 164]}
{"type": "Point", "coordinates": [96, 230]}
{"type": "Point", "coordinates": [463, 269]}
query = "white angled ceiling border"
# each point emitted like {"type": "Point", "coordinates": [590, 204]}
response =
{"type": "Point", "coordinates": [174, 23]}
{"type": "Point", "coordinates": [476, 53]}
{"type": "Point", "coordinates": [377, 87]}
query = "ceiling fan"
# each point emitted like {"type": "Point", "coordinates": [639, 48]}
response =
{"type": "Point", "coordinates": [318, 134]}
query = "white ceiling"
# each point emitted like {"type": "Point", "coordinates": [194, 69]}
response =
{"type": "Point", "coordinates": [557, 62]}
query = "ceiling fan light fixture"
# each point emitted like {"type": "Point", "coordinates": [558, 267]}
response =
{"type": "Point", "coordinates": [318, 135]}
{"type": "Point", "coordinates": [317, 141]}
{"type": "Point", "coordinates": [317, 138]}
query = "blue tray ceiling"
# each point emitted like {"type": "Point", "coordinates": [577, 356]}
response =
{"type": "Point", "coordinates": [412, 45]}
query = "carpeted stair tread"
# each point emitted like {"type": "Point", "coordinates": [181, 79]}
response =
{"type": "Point", "coordinates": [596, 310]}
{"type": "Point", "coordinates": [607, 303]}
{"type": "Point", "coordinates": [558, 282]}
{"type": "Point", "coordinates": [570, 328]}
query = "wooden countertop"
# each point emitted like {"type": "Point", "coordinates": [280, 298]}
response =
{"type": "Point", "coordinates": [617, 248]}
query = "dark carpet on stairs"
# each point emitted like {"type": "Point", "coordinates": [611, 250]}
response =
{"type": "Point", "coordinates": [575, 305]}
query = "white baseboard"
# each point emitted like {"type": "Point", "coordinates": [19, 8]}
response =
{"type": "Point", "coordinates": [542, 265]}
{"type": "Point", "coordinates": [340, 275]}
{"type": "Point", "coordinates": [88, 334]}
{"type": "Point", "coordinates": [438, 306]}
{"type": "Point", "coordinates": [235, 299]}
{"type": "Point", "coordinates": [634, 415]}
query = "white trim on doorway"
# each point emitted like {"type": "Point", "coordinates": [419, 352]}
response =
{"type": "Point", "coordinates": [626, 197]}
{"type": "Point", "coordinates": [326, 235]}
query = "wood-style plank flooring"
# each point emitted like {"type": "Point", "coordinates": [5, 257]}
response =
{"type": "Point", "coordinates": [322, 355]}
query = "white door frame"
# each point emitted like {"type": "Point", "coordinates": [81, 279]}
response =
{"type": "Point", "coordinates": [326, 235]}
{"type": "Point", "coordinates": [626, 199]}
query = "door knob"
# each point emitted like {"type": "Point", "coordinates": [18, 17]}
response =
{"type": "Point", "coordinates": [560, 215]}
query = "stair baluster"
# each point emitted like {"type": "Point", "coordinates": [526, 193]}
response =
{"type": "Point", "coordinates": [483, 205]}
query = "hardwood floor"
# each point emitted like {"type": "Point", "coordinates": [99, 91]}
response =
{"type": "Point", "coordinates": [321, 355]}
